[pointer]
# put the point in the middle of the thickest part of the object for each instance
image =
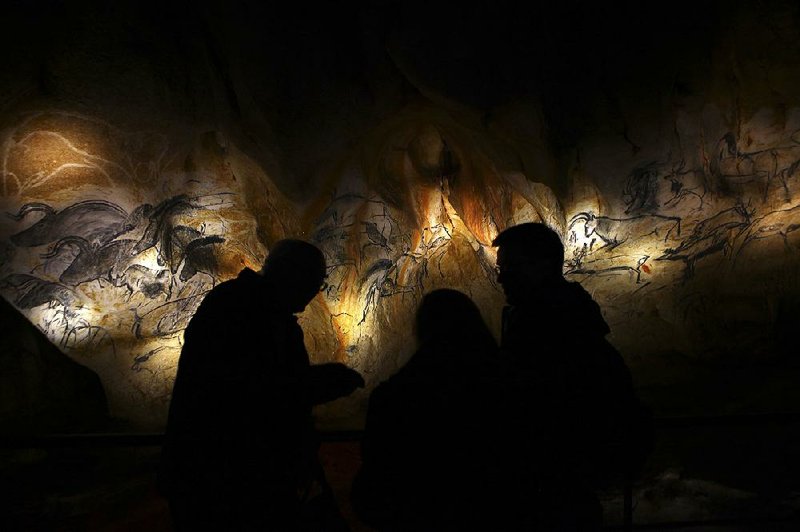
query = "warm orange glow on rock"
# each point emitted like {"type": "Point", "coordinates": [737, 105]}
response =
{"type": "Point", "coordinates": [113, 238]}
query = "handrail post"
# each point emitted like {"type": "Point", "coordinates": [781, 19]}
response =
{"type": "Point", "coordinates": [627, 509]}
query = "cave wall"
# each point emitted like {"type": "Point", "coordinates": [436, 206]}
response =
{"type": "Point", "coordinates": [150, 151]}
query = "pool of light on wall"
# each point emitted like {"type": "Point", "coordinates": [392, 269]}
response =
{"type": "Point", "coordinates": [111, 238]}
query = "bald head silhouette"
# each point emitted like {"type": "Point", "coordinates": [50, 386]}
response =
{"type": "Point", "coordinates": [296, 270]}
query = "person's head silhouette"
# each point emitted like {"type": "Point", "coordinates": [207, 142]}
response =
{"type": "Point", "coordinates": [297, 271]}
{"type": "Point", "coordinates": [448, 316]}
{"type": "Point", "coordinates": [529, 257]}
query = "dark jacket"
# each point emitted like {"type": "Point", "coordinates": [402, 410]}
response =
{"type": "Point", "coordinates": [571, 392]}
{"type": "Point", "coordinates": [239, 421]}
{"type": "Point", "coordinates": [425, 448]}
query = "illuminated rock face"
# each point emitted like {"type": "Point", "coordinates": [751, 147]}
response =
{"type": "Point", "coordinates": [113, 238]}
{"type": "Point", "coordinates": [414, 210]}
{"type": "Point", "coordinates": [695, 250]}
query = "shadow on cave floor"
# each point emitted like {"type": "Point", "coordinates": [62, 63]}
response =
{"type": "Point", "coordinates": [744, 477]}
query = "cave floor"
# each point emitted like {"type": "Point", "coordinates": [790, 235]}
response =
{"type": "Point", "coordinates": [733, 479]}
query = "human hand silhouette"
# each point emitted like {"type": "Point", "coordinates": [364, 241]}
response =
{"type": "Point", "coordinates": [348, 377]}
{"type": "Point", "coordinates": [334, 380]}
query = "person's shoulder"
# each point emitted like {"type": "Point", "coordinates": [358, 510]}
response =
{"type": "Point", "coordinates": [398, 383]}
{"type": "Point", "coordinates": [246, 281]}
{"type": "Point", "coordinates": [236, 291]}
{"type": "Point", "coordinates": [578, 301]}
{"type": "Point", "coordinates": [573, 291]}
{"type": "Point", "coordinates": [388, 386]}
{"type": "Point", "coordinates": [381, 398]}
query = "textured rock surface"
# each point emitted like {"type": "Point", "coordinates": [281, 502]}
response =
{"type": "Point", "coordinates": [149, 152]}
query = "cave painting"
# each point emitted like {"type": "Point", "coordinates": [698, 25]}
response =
{"type": "Point", "coordinates": [110, 239]}
{"type": "Point", "coordinates": [697, 251]}
{"type": "Point", "coordinates": [98, 241]}
{"type": "Point", "coordinates": [109, 245]}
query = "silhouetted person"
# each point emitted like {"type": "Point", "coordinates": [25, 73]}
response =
{"type": "Point", "coordinates": [426, 456]}
{"type": "Point", "coordinates": [241, 450]}
{"type": "Point", "coordinates": [570, 393]}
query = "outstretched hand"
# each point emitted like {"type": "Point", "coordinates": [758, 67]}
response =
{"type": "Point", "coordinates": [346, 376]}
{"type": "Point", "coordinates": [355, 379]}
{"type": "Point", "coordinates": [332, 381]}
